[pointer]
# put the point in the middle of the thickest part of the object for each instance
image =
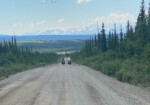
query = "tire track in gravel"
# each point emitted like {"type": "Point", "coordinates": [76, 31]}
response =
{"type": "Point", "coordinates": [69, 85]}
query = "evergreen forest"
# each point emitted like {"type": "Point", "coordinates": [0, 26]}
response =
{"type": "Point", "coordinates": [15, 59]}
{"type": "Point", "coordinates": [123, 55]}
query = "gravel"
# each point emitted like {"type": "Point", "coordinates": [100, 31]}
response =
{"type": "Point", "coordinates": [69, 85]}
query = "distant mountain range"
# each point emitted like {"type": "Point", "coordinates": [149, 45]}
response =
{"type": "Point", "coordinates": [83, 30]}
{"type": "Point", "coordinates": [86, 30]}
{"type": "Point", "coordinates": [46, 37]}
{"type": "Point", "coordinates": [82, 33]}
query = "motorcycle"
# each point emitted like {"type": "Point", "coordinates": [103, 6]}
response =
{"type": "Point", "coordinates": [63, 62]}
{"type": "Point", "coordinates": [69, 62]}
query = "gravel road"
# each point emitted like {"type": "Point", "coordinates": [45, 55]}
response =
{"type": "Point", "coordinates": [69, 85]}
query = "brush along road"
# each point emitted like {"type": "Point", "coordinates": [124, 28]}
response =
{"type": "Point", "coordinates": [68, 85]}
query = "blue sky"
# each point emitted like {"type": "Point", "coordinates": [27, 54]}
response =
{"type": "Point", "coordinates": [37, 16]}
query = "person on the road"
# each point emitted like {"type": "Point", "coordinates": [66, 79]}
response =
{"type": "Point", "coordinates": [69, 60]}
{"type": "Point", "coordinates": [63, 60]}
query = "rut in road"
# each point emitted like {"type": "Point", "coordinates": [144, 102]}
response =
{"type": "Point", "coordinates": [69, 85]}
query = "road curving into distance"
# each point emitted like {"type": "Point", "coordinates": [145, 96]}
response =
{"type": "Point", "coordinates": [69, 85]}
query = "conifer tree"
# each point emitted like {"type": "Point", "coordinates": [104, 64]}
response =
{"type": "Point", "coordinates": [148, 24]}
{"type": "Point", "coordinates": [115, 37]}
{"type": "Point", "coordinates": [110, 40]}
{"type": "Point", "coordinates": [140, 29]}
{"type": "Point", "coordinates": [95, 40]}
{"type": "Point", "coordinates": [141, 16]}
{"type": "Point", "coordinates": [131, 33]}
{"type": "Point", "coordinates": [121, 35]}
{"type": "Point", "coordinates": [100, 41]}
{"type": "Point", "coordinates": [103, 39]}
{"type": "Point", "coordinates": [128, 30]}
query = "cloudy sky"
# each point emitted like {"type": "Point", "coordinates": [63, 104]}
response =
{"type": "Point", "coordinates": [35, 16]}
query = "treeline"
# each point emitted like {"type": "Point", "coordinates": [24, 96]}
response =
{"type": "Point", "coordinates": [124, 56]}
{"type": "Point", "coordinates": [14, 59]}
{"type": "Point", "coordinates": [53, 45]}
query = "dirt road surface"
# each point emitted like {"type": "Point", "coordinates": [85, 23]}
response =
{"type": "Point", "coordinates": [69, 85]}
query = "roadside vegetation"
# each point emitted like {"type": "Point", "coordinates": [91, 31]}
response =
{"type": "Point", "coordinates": [123, 56]}
{"type": "Point", "coordinates": [15, 59]}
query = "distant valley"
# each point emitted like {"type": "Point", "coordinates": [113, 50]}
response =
{"type": "Point", "coordinates": [46, 37]}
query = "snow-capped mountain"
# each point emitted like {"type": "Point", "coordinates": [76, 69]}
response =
{"type": "Point", "coordinates": [70, 31]}
{"type": "Point", "coordinates": [82, 30]}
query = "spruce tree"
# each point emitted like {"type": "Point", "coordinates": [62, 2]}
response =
{"type": "Point", "coordinates": [121, 40]}
{"type": "Point", "coordinates": [131, 33]}
{"type": "Point", "coordinates": [110, 40]}
{"type": "Point", "coordinates": [100, 41]}
{"type": "Point", "coordinates": [148, 24]}
{"type": "Point", "coordinates": [140, 30]}
{"type": "Point", "coordinates": [128, 30]}
{"type": "Point", "coordinates": [141, 16]}
{"type": "Point", "coordinates": [115, 37]}
{"type": "Point", "coordinates": [103, 38]}
{"type": "Point", "coordinates": [121, 35]}
{"type": "Point", "coordinates": [95, 40]}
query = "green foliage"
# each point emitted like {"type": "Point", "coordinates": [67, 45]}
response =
{"type": "Point", "coordinates": [110, 68]}
{"type": "Point", "coordinates": [127, 58]}
{"type": "Point", "coordinates": [15, 59]}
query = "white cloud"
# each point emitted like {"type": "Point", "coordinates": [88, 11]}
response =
{"type": "Point", "coordinates": [31, 25]}
{"type": "Point", "coordinates": [16, 25]}
{"type": "Point", "coordinates": [61, 20]}
{"type": "Point", "coordinates": [83, 1]}
{"type": "Point", "coordinates": [91, 26]}
{"type": "Point", "coordinates": [78, 1]}
{"type": "Point", "coordinates": [36, 24]}
{"type": "Point", "coordinates": [115, 18]}
{"type": "Point", "coordinates": [43, 1]}
{"type": "Point", "coordinates": [41, 22]}
{"type": "Point", "coordinates": [88, 27]}
{"type": "Point", "coordinates": [48, 0]}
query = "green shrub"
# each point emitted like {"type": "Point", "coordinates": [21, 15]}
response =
{"type": "Point", "coordinates": [110, 68]}
{"type": "Point", "coordinates": [125, 76]}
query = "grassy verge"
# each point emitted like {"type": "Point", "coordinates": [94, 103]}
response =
{"type": "Point", "coordinates": [129, 70]}
{"type": "Point", "coordinates": [6, 71]}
